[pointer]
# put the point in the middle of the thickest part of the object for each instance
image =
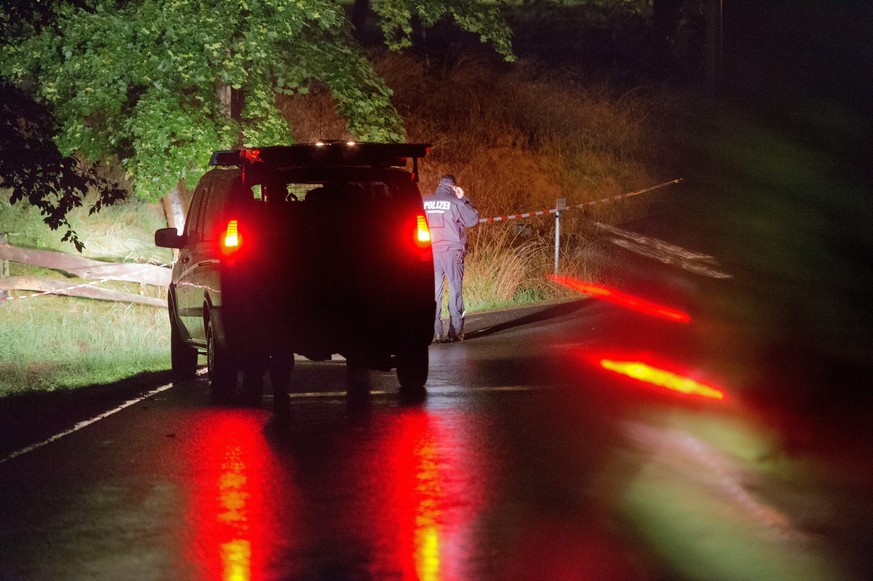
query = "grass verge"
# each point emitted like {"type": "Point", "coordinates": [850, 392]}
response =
{"type": "Point", "coordinates": [55, 343]}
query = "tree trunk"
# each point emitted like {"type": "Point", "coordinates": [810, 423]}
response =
{"type": "Point", "coordinates": [230, 104]}
{"type": "Point", "coordinates": [665, 22]}
{"type": "Point", "coordinates": [174, 208]}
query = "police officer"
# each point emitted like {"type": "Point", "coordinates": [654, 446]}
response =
{"type": "Point", "coordinates": [449, 212]}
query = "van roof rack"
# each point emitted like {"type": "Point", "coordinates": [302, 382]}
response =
{"type": "Point", "coordinates": [323, 153]}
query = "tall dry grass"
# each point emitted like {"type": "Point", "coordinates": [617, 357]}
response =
{"type": "Point", "coordinates": [517, 137]}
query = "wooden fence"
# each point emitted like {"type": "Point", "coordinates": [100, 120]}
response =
{"type": "Point", "coordinates": [81, 268]}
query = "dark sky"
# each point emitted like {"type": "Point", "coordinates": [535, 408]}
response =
{"type": "Point", "coordinates": [818, 47]}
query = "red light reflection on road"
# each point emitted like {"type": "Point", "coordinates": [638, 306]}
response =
{"type": "Point", "coordinates": [661, 378]}
{"type": "Point", "coordinates": [234, 532]}
{"type": "Point", "coordinates": [429, 493]}
{"type": "Point", "coordinates": [622, 299]}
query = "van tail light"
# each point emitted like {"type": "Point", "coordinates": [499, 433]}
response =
{"type": "Point", "coordinates": [422, 235]}
{"type": "Point", "coordinates": [421, 239]}
{"type": "Point", "coordinates": [416, 238]}
{"type": "Point", "coordinates": [231, 239]}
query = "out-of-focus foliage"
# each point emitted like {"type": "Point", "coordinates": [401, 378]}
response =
{"type": "Point", "coordinates": [34, 170]}
{"type": "Point", "coordinates": [598, 11]}
{"type": "Point", "coordinates": [141, 79]}
{"type": "Point", "coordinates": [397, 16]}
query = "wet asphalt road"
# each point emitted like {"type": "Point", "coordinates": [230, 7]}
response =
{"type": "Point", "coordinates": [524, 462]}
{"type": "Point", "coordinates": [462, 486]}
{"type": "Point", "coordinates": [465, 485]}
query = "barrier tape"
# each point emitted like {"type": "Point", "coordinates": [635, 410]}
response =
{"type": "Point", "coordinates": [582, 205]}
{"type": "Point", "coordinates": [62, 291]}
{"type": "Point", "coordinates": [481, 221]}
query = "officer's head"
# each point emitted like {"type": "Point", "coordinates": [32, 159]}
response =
{"type": "Point", "coordinates": [447, 179]}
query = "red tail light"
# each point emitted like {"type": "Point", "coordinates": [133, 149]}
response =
{"type": "Point", "coordinates": [231, 239]}
{"type": "Point", "coordinates": [417, 237]}
{"type": "Point", "coordinates": [422, 235]}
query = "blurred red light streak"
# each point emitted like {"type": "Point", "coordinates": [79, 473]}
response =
{"type": "Point", "coordinates": [621, 299]}
{"type": "Point", "coordinates": [661, 378]}
{"type": "Point", "coordinates": [252, 155]}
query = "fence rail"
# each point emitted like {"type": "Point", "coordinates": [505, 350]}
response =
{"type": "Point", "coordinates": [82, 268]}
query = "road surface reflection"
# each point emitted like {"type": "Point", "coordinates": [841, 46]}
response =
{"type": "Point", "coordinates": [427, 490]}
{"type": "Point", "coordinates": [238, 500]}
{"type": "Point", "coordinates": [396, 497]}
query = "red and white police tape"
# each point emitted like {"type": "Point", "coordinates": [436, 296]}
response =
{"type": "Point", "coordinates": [595, 202]}
{"type": "Point", "coordinates": [481, 220]}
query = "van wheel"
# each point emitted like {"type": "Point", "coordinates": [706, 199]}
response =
{"type": "Point", "coordinates": [183, 357]}
{"type": "Point", "coordinates": [221, 366]}
{"type": "Point", "coordinates": [412, 367]}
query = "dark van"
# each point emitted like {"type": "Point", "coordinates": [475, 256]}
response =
{"type": "Point", "coordinates": [311, 249]}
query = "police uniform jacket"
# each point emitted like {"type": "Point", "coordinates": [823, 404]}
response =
{"type": "Point", "coordinates": [448, 217]}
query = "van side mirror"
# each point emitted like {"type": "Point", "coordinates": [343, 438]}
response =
{"type": "Point", "coordinates": [169, 238]}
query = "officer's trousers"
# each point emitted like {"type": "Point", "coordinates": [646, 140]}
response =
{"type": "Point", "coordinates": [449, 265]}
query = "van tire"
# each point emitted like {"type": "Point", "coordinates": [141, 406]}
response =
{"type": "Point", "coordinates": [412, 367]}
{"type": "Point", "coordinates": [221, 366]}
{"type": "Point", "coordinates": [183, 357]}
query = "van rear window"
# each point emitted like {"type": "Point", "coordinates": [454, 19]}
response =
{"type": "Point", "coordinates": [320, 191]}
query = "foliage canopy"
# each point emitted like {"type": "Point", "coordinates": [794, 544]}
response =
{"type": "Point", "coordinates": [143, 80]}
{"type": "Point", "coordinates": [33, 168]}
